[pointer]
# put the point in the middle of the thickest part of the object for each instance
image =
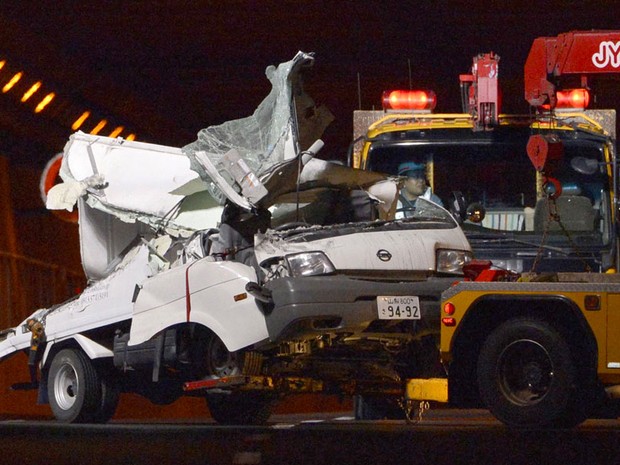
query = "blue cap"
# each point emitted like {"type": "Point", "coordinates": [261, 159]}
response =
{"type": "Point", "coordinates": [407, 166]}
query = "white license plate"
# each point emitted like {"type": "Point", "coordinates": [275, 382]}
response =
{"type": "Point", "coordinates": [401, 307]}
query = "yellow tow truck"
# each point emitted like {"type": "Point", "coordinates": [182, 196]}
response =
{"type": "Point", "coordinates": [539, 349]}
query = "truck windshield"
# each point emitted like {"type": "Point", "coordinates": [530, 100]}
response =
{"type": "Point", "coordinates": [493, 170]}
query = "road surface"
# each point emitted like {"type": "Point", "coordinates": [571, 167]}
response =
{"type": "Point", "coordinates": [439, 437]}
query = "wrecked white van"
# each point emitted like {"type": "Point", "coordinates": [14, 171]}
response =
{"type": "Point", "coordinates": [243, 258]}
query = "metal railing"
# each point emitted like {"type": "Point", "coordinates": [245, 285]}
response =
{"type": "Point", "coordinates": [27, 284]}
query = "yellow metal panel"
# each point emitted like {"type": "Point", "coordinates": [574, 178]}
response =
{"type": "Point", "coordinates": [604, 321]}
{"type": "Point", "coordinates": [462, 302]}
{"type": "Point", "coordinates": [427, 389]}
{"type": "Point", "coordinates": [612, 360]}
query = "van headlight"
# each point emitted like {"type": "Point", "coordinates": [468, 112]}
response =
{"type": "Point", "coordinates": [309, 264]}
{"type": "Point", "coordinates": [452, 261]}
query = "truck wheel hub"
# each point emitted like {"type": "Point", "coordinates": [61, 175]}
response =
{"type": "Point", "coordinates": [525, 371]}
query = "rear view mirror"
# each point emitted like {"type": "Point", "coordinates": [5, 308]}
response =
{"type": "Point", "coordinates": [584, 165]}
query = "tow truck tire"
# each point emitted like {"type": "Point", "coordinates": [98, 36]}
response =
{"type": "Point", "coordinates": [75, 389]}
{"type": "Point", "coordinates": [527, 376]}
{"type": "Point", "coordinates": [240, 408]}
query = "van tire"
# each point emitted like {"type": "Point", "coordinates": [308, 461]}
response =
{"type": "Point", "coordinates": [75, 389]}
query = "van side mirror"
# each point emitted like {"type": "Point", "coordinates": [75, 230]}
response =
{"type": "Point", "coordinates": [457, 206]}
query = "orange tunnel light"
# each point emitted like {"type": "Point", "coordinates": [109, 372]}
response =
{"type": "Point", "coordinates": [77, 124]}
{"type": "Point", "coordinates": [33, 88]}
{"type": "Point", "coordinates": [100, 125]}
{"type": "Point", "coordinates": [9, 85]}
{"type": "Point", "coordinates": [45, 102]}
{"type": "Point", "coordinates": [116, 131]}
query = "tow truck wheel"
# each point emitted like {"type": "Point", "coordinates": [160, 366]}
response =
{"type": "Point", "coordinates": [527, 376]}
{"type": "Point", "coordinates": [76, 391]}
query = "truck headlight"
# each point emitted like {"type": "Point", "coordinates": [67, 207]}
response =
{"type": "Point", "coordinates": [308, 264]}
{"type": "Point", "coordinates": [452, 261]}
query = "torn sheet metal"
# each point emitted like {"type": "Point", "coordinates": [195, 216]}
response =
{"type": "Point", "coordinates": [316, 173]}
{"type": "Point", "coordinates": [294, 177]}
{"type": "Point", "coordinates": [167, 188]}
{"type": "Point", "coordinates": [127, 189]}
{"type": "Point", "coordinates": [134, 181]}
{"type": "Point", "coordinates": [239, 174]}
{"type": "Point", "coordinates": [273, 133]}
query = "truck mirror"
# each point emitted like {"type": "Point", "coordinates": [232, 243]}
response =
{"type": "Point", "coordinates": [476, 212]}
{"type": "Point", "coordinates": [584, 165]}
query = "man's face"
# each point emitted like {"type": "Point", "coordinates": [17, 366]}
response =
{"type": "Point", "coordinates": [415, 184]}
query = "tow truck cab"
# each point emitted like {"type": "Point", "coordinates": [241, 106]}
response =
{"type": "Point", "coordinates": [489, 174]}
{"type": "Point", "coordinates": [537, 349]}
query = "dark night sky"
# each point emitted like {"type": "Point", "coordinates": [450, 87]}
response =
{"type": "Point", "coordinates": [197, 63]}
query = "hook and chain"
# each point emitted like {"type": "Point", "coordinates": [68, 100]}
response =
{"type": "Point", "coordinates": [414, 413]}
{"type": "Point", "coordinates": [554, 216]}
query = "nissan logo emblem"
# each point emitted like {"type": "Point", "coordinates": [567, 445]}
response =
{"type": "Point", "coordinates": [384, 255]}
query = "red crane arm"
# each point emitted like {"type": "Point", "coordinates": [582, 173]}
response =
{"type": "Point", "coordinates": [581, 53]}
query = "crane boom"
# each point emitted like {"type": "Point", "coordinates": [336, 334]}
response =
{"type": "Point", "coordinates": [576, 53]}
{"type": "Point", "coordinates": [480, 91]}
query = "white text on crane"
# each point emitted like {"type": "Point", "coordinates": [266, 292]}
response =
{"type": "Point", "coordinates": [608, 53]}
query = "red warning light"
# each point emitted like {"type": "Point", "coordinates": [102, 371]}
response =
{"type": "Point", "coordinates": [573, 99]}
{"type": "Point", "coordinates": [409, 100]}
